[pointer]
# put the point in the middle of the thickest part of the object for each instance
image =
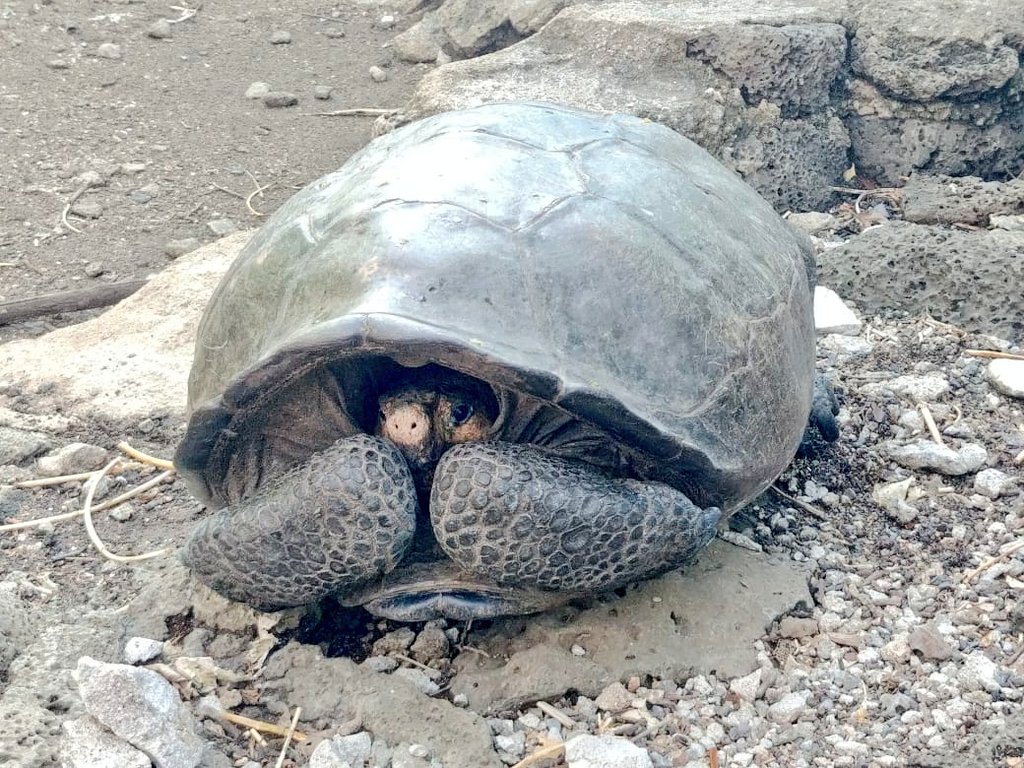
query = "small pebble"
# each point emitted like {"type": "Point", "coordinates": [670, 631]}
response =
{"type": "Point", "coordinates": [334, 32]}
{"type": "Point", "coordinates": [377, 74]}
{"type": "Point", "coordinates": [322, 92]}
{"type": "Point", "coordinates": [87, 209]}
{"type": "Point", "coordinates": [94, 269]}
{"type": "Point", "coordinates": [161, 29]}
{"type": "Point", "coordinates": [139, 650]}
{"type": "Point", "coordinates": [174, 249]}
{"type": "Point", "coordinates": [257, 90]}
{"type": "Point", "coordinates": [109, 51]}
{"type": "Point", "coordinates": [1007, 376]}
{"type": "Point", "coordinates": [278, 99]}
{"type": "Point", "coordinates": [578, 650]}
{"type": "Point", "coordinates": [58, 64]}
{"type": "Point", "coordinates": [387, 21]}
{"type": "Point", "coordinates": [222, 227]}
{"type": "Point", "coordinates": [144, 194]}
{"type": "Point", "coordinates": [280, 37]}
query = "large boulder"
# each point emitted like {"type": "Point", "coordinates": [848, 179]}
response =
{"type": "Point", "coordinates": [785, 93]}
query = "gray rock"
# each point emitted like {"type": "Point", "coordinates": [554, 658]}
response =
{"type": "Point", "coordinates": [397, 712]}
{"type": "Point", "coordinates": [586, 751]}
{"type": "Point", "coordinates": [322, 92]}
{"type": "Point", "coordinates": [334, 32]}
{"type": "Point", "coordinates": [144, 194]}
{"type": "Point", "coordinates": [431, 643]}
{"type": "Point", "coordinates": [676, 64]}
{"type": "Point", "coordinates": [979, 672]}
{"type": "Point", "coordinates": [512, 745]}
{"type": "Point", "coordinates": [280, 37]}
{"type": "Point", "coordinates": [396, 641]}
{"type": "Point", "coordinates": [58, 64]}
{"type": "Point", "coordinates": [86, 743]}
{"type": "Point", "coordinates": [380, 663]}
{"type": "Point", "coordinates": [813, 222]}
{"type": "Point", "coordinates": [964, 199]}
{"type": "Point", "coordinates": [845, 348]}
{"type": "Point", "coordinates": [377, 74]}
{"type": "Point", "coordinates": [747, 686]}
{"type": "Point", "coordinates": [257, 90]}
{"type": "Point", "coordinates": [18, 626]}
{"type": "Point", "coordinates": [109, 51]}
{"type": "Point", "coordinates": [1011, 222]}
{"type": "Point", "coordinates": [925, 388]}
{"type": "Point", "coordinates": [918, 269]}
{"type": "Point", "coordinates": [278, 99]}
{"type": "Point", "coordinates": [421, 42]}
{"type": "Point", "coordinates": [831, 315]}
{"type": "Point", "coordinates": [992, 483]}
{"type": "Point", "coordinates": [614, 698]}
{"type": "Point", "coordinates": [792, 627]}
{"type": "Point", "coordinates": [142, 708]}
{"type": "Point", "coordinates": [1007, 376]}
{"type": "Point", "coordinates": [925, 454]}
{"type": "Point", "coordinates": [929, 643]}
{"type": "Point", "coordinates": [341, 751]}
{"type": "Point", "coordinates": [419, 678]}
{"type": "Point", "coordinates": [161, 29]}
{"type": "Point", "coordinates": [174, 249]}
{"type": "Point", "coordinates": [787, 709]}
{"type": "Point", "coordinates": [671, 627]}
{"type": "Point", "coordinates": [87, 209]}
{"type": "Point", "coordinates": [16, 445]}
{"type": "Point", "coordinates": [94, 269]}
{"type": "Point", "coordinates": [221, 227]}
{"type": "Point", "coordinates": [139, 650]}
{"type": "Point", "coordinates": [72, 459]}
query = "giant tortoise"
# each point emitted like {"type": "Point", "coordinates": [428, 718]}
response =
{"type": "Point", "coordinates": [504, 357]}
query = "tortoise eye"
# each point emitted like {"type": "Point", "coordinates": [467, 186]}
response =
{"type": "Point", "coordinates": [461, 413]}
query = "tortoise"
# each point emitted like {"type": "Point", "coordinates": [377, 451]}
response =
{"type": "Point", "coordinates": [503, 358]}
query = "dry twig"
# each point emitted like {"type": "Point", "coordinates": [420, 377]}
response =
{"type": "Point", "coordinates": [929, 422]}
{"type": "Point", "coordinates": [90, 529]}
{"type": "Point", "coordinates": [809, 508]}
{"type": "Point", "coordinates": [992, 354]}
{"type": "Point", "coordinates": [356, 112]}
{"type": "Point", "coordinates": [547, 752]}
{"type": "Point", "coordinates": [432, 673]}
{"type": "Point", "coordinates": [1011, 549]}
{"type": "Point", "coordinates": [145, 458]}
{"type": "Point", "coordinates": [186, 13]}
{"type": "Point", "coordinates": [288, 737]}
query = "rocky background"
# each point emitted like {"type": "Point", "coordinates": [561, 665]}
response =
{"type": "Point", "coordinates": [865, 612]}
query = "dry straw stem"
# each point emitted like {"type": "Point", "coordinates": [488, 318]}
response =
{"type": "Point", "coordinates": [127, 495]}
{"type": "Point", "coordinates": [432, 673]}
{"type": "Point", "coordinates": [288, 737]}
{"type": "Point", "coordinates": [145, 458]}
{"type": "Point", "coordinates": [71, 201]}
{"type": "Point", "coordinates": [556, 713]}
{"type": "Point", "coordinates": [1011, 549]}
{"type": "Point", "coordinates": [186, 13]}
{"type": "Point", "coordinates": [43, 482]}
{"type": "Point", "coordinates": [993, 355]}
{"type": "Point", "coordinates": [90, 529]}
{"type": "Point", "coordinates": [260, 725]}
{"type": "Point", "coordinates": [929, 422]}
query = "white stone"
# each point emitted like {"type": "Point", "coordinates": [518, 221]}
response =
{"type": "Point", "coordinates": [926, 388]}
{"type": "Point", "coordinates": [257, 90]}
{"type": "Point", "coordinates": [787, 709]}
{"type": "Point", "coordinates": [992, 483]}
{"type": "Point", "coordinates": [139, 650]}
{"type": "Point", "coordinates": [831, 315]}
{"type": "Point", "coordinates": [845, 347]}
{"type": "Point", "coordinates": [746, 687]}
{"type": "Point", "coordinates": [420, 679]}
{"type": "Point", "coordinates": [926, 454]}
{"type": "Point", "coordinates": [142, 708]}
{"type": "Point", "coordinates": [979, 671]}
{"type": "Point", "coordinates": [1007, 376]}
{"type": "Point", "coordinates": [891, 495]}
{"type": "Point", "coordinates": [340, 751]}
{"type": "Point", "coordinates": [614, 698]}
{"type": "Point", "coordinates": [605, 752]}
{"type": "Point", "coordinates": [87, 744]}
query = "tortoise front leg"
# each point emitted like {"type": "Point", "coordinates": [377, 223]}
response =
{"type": "Point", "coordinates": [523, 517]}
{"type": "Point", "coordinates": [344, 516]}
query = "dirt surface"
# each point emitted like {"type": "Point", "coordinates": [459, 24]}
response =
{"type": "Point", "coordinates": [165, 124]}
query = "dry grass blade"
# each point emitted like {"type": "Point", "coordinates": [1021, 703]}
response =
{"type": "Point", "coordinates": [259, 725]}
{"type": "Point", "coordinates": [145, 458]}
{"type": "Point", "coordinates": [993, 355]}
{"type": "Point", "coordinates": [43, 482]}
{"type": "Point", "coordinates": [288, 737]}
{"type": "Point", "coordinates": [432, 673]}
{"type": "Point", "coordinates": [90, 529]}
